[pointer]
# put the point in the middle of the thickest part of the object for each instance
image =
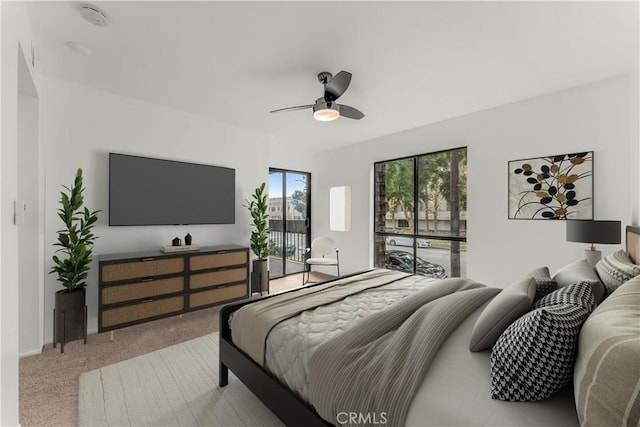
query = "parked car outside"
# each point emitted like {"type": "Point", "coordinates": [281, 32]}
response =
{"type": "Point", "coordinates": [403, 261]}
{"type": "Point", "coordinates": [275, 248]}
{"type": "Point", "coordinates": [407, 241]}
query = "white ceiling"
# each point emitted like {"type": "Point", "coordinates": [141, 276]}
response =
{"type": "Point", "coordinates": [413, 63]}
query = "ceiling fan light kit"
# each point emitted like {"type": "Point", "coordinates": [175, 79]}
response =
{"type": "Point", "coordinates": [325, 112]}
{"type": "Point", "coordinates": [325, 109]}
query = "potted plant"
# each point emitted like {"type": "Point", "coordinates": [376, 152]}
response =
{"type": "Point", "coordinates": [260, 238]}
{"type": "Point", "coordinates": [75, 242]}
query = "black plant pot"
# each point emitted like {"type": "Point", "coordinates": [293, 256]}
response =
{"type": "Point", "coordinates": [260, 276]}
{"type": "Point", "coordinates": [69, 317]}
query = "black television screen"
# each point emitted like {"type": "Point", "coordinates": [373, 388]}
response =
{"type": "Point", "coordinates": [146, 191]}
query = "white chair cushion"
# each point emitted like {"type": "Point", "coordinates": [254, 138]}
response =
{"type": "Point", "coordinates": [323, 246]}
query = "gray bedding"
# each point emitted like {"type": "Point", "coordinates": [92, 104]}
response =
{"type": "Point", "coordinates": [376, 366]}
{"type": "Point", "coordinates": [252, 323]}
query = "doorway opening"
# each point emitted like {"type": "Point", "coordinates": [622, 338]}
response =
{"type": "Point", "coordinates": [289, 221]}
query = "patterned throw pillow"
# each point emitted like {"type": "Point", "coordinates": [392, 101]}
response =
{"type": "Point", "coordinates": [615, 269]}
{"type": "Point", "coordinates": [579, 294]}
{"type": "Point", "coordinates": [534, 357]}
{"type": "Point", "coordinates": [544, 283]}
{"type": "Point", "coordinates": [580, 271]}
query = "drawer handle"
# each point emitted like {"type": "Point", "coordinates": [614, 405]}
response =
{"type": "Point", "coordinates": [146, 300]}
{"type": "Point", "coordinates": [147, 259]}
{"type": "Point", "coordinates": [222, 268]}
{"type": "Point", "coordinates": [148, 279]}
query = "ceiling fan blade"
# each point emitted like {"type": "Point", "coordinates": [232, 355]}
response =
{"type": "Point", "coordinates": [350, 112]}
{"type": "Point", "coordinates": [299, 107]}
{"type": "Point", "coordinates": [337, 85]}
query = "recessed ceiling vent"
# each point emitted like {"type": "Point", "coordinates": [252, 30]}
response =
{"type": "Point", "coordinates": [94, 15]}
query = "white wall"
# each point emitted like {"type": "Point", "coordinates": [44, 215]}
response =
{"type": "Point", "coordinates": [591, 117]}
{"type": "Point", "coordinates": [16, 41]}
{"type": "Point", "coordinates": [82, 125]}
{"type": "Point", "coordinates": [30, 263]}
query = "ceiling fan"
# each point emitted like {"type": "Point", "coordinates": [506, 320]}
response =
{"type": "Point", "coordinates": [325, 108]}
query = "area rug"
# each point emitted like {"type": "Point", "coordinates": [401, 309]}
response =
{"type": "Point", "coordinates": [175, 386]}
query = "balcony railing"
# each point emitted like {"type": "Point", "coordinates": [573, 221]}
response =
{"type": "Point", "coordinates": [293, 248]}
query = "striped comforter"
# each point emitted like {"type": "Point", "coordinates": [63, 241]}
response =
{"type": "Point", "coordinates": [370, 373]}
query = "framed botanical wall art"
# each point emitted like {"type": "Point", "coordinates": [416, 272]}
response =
{"type": "Point", "coordinates": [552, 187]}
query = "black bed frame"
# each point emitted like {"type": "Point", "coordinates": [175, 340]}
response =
{"type": "Point", "coordinates": [284, 403]}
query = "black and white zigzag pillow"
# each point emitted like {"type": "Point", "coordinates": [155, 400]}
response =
{"type": "Point", "coordinates": [579, 294]}
{"type": "Point", "coordinates": [534, 356]}
{"type": "Point", "coordinates": [544, 283]}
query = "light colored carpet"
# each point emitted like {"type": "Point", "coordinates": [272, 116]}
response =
{"type": "Point", "coordinates": [175, 386]}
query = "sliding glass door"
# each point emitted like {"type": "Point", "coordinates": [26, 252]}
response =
{"type": "Point", "coordinates": [289, 221]}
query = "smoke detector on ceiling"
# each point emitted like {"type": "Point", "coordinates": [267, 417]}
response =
{"type": "Point", "coordinates": [94, 15]}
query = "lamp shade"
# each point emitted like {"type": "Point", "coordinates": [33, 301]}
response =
{"type": "Point", "coordinates": [606, 232]}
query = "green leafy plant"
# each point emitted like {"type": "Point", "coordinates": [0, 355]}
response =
{"type": "Point", "coordinates": [76, 239]}
{"type": "Point", "coordinates": [260, 234]}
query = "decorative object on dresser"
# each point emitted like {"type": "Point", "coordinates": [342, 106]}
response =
{"type": "Point", "coordinates": [177, 246]}
{"type": "Point", "coordinates": [605, 232]}
{"type": "Point", "coordinates": [552, 187]}
{"type": "Point", "coordinates": [144, 286]}
{"type": "Point", "coordinates": [76, 243]}
{"type": "Point", "coordinates": [259, 239]}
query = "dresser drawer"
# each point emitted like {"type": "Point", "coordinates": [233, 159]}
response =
{"type": "Point", "coordinates": [202, 280]}
{"type": "Point", "coordinates": [139, 290]}
{"type": "Point", "coordinates": [223, 259]}
{"type": "Point", "coordinates": [213, 296]}
{"type": "Point", "coordinates": [144, 310]}
{"type": "Point", "coordinates": [140, 269]}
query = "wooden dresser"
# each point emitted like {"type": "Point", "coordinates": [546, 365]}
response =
{"type": "Point", "coordinates": [143, 286]}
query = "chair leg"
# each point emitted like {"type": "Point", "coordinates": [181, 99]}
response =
{"type": "Point", "coordinates": [304, 270]}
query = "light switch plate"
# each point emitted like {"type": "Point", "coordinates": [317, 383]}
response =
{"type": "Point", "coordinates": [19, 212]}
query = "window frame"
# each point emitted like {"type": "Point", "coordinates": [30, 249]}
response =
{"type": "Point", "coordinates": [416, 206]}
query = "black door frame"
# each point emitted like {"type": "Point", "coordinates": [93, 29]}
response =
{"type": "Point", "coordinates": [284, 213]}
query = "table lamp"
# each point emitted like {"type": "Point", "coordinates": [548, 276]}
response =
{"type": "Point", "coordinates": [605, 232]}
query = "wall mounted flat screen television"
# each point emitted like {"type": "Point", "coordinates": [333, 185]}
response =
{"type": "Point", "coordinates": [146, 191]}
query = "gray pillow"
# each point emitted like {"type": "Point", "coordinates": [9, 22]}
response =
{"type": "Point", "coordinates": [580, 271]}
{"type": "Point", "coordinates": [514, 301]}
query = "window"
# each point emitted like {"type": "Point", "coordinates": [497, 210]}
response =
{"type": "Point", "coordinates": [421, 213]}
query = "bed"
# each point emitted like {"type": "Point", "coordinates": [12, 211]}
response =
{"type": "Point", "coordinates": [282, 367]}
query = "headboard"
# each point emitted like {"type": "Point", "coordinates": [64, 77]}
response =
{"type": "Point", "coordinates": [633, 243]}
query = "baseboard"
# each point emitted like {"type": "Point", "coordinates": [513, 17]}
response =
{"type": "Point", "coordinates": [50, 342]}
{"type": "Point", "coordinates": [30, 353]}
